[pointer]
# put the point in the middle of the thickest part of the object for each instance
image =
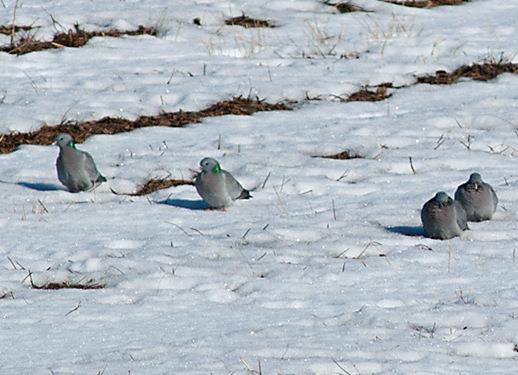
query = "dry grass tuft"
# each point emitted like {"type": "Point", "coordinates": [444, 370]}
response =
{"type": "Point", "coordinates": [112, 125]}
{"type": "Point", "coordinates": [344, 155]}
{"type": "Point", "coordinates": [54, 285]}
{"type": "Point", "coordinates": [8, 29]}
{"type": "Point", "coordinates": [90, 284]}
{"type": "Point", "coordinates": [158, 184]}
{"type": "Point", "coordinates": [73, 38]}
{"type": "Point", "coordinates": [479, 72]}
{"type": "Point", "coordinates": [347, 7]}
{"type": "Point", "coordinates": [366, 95]}
{"type": "Point", "coordinates": [425, 3]}
{"type": "Point", "coordinates": [27, 44]}
{"type": "Point", "coordinates": [245, 21]}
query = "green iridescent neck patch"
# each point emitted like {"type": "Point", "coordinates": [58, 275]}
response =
{"type": "Point", "coordinates": [216, 169]}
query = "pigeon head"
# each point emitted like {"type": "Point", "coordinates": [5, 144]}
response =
{"type": "Point", "coordinates": [475, 178]}
{"type": "Point", "coordinates": [210, 165]}
{"type": "Point", "coordinates": [442, 198]}
{"type": "Point", "coordinates": [65, 139]}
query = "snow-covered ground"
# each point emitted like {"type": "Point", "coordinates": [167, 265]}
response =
{"type": "Point", "coordinates": [325, 270]}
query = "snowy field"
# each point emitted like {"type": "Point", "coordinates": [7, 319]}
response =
{"type": "Point", "coordinates": [325, 270]}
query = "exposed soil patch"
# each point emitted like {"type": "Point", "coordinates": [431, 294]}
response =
{"type": "Point", "coordinates": [344, 155]}
{"type": "Point", "coordinates": [425, 3]}
{"type": "Point", "coordinates": [112, 125]}
{"type": "Point", "coordinates": [367, 95]}
{"type": "Point", "coordinates": [245, 21]}
{"type": "Point", "coordinates": [158, 184]}
{"type": "Point", "coordinates": [8, 29]}
{"type": "Point", "coordinates": [73, 38]}
{"type": "Point", "coordinates": [479, 72]}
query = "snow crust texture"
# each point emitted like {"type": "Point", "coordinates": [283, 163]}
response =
{"type": "Point", "coordinates": [326, 269]}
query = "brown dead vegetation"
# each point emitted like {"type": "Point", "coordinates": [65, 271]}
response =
{"type": "Point", "coordinates": [247, 22]}
{"type": "Point", "coordinates": [480, 72]}
{"type": "Point", "coordinates": [366, 95]}
{"type": "Point", "coordinates": [425, 3]}
{"type": "Point", "coordinates": [112, 125]}
{"type": "Point", "coordinates": [344, 155]}
{"type": "Point", "coordinates": [54, 285]}
{"type": "Point", "coordinates": [73, 38]}
{"type": "Point", "coordinates": [9, 29]}
{"type": "Point", "coordinates": [156, 184]}
{"type": "Point", "coordinates": [347, 7]}
{"type": "Point", "coordinates": [90, 284]}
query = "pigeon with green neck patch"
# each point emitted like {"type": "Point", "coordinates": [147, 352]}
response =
{"type": "Point", "coordinates": [218, 187]}
{"type": "Point", "coordinates": [478, 198]}
{"type": "Point", "coordinates": [76, 169]}
{"type": "Point", "coordinates": [443, 218]}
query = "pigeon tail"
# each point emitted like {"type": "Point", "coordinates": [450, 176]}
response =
{"type": "Point", "coordinates": [245, 194]}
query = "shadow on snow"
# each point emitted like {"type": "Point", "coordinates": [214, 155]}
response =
{"type": "Point", "coordinates": [407, 230]}
{"type": "Point", "coordinates": [40, 186]}
{"type": "Point", "coordinates": [186, 203]}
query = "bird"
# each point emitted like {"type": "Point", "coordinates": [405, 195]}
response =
{"type": "Point", "coordinates": [478, 198]}
{"type": "Point", "coordinates": [76, 169]}
{"type": "Point", "coordinates": [443, 218]}
{"type": "Point", "coordinates": [218, 187]}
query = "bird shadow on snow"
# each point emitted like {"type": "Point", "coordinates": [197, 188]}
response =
{"type": "Point", "coordinates": [407, 230]}
{"type": "Point", "coordinates": [186, 203]}
{"type": "Point", "coordinates": [40, 186]}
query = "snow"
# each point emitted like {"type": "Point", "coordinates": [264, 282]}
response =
{"type": "Point", "coordinates": [325, 270]}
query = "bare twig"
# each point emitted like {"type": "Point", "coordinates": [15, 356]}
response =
{"type": "Point", "coordinates": [372, 243]}
{"type": "Point", "coordinates": [439, 142]}
{"type": "Point", "coordinates": [197, 231]}
{"type": "Point", "coordinates": [467, 144]}
{"type": "Point", "coordinates": [12, 263]}
{"type": "Point", "coordinates": [13, 29]}
{"type": "Point", "coordinates": [411, 164]}
{"type": "Point", "coordinates": [346, 172]}
{"type": "Point", "coordinates": [266, 180]}
{"type": "Point", "coordinates": [341, 367]}
{"type": "Point", "coordinates": [261, 257]}
{"type": "Point", "coordinates": [244, 235]}
{"type": "Point", "coordinates": [74, 309]}
{"type": "Point", "coordinates": [183, 230]}
{"type": "Point", "coordinates": [43, 206]}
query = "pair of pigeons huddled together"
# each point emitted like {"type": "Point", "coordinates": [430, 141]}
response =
{"type": "Point", "coordinates": [444, 218]}
{"type": "Point", "coordinates": [78, 172]}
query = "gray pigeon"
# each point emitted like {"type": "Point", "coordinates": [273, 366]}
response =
{"type": "Point", "coordinates": [478, 198]}
{"type": "Point", "coordinates": [218, 187]}
{"type": "Point", "coordinates": [443, 218]}
{"type": "Point", "coordinates": [76, 169]}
